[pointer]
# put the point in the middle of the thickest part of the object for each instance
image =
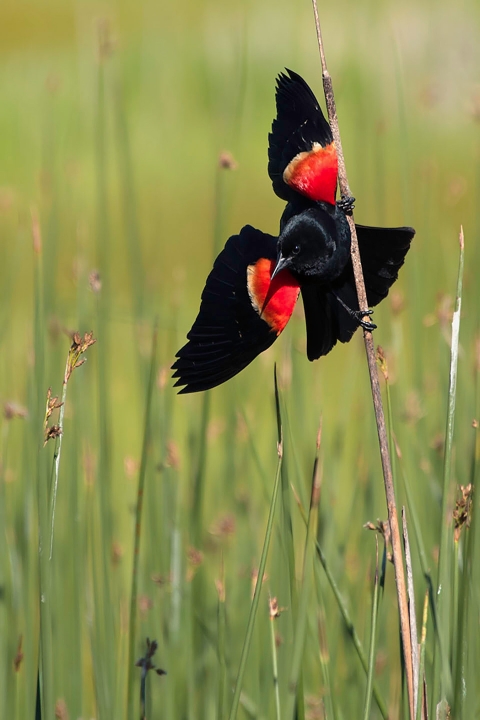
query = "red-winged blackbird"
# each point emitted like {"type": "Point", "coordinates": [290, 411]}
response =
{"type": "Point", "coordinates": [251, 292]}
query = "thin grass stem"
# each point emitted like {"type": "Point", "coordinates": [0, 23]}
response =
{"type": "Point", "coordinates": [263, 561]}
{"type": "Point", "coordinates": [411, 608]}
{"type": "Point", "coordinates": [465, 594]}
{"type": "Point", "coordinates": [349, 626]}
{"type": "Point", "coordinates": [273, 640]}
{"type": "Point", "coordinates": [324, 655]}
{"type": "Point", "coordinates": [373, 642]}
{"type": "Point", "coordinates": [105, 615]}
{"type": "Point", "coordinates": [305, 591]}
{"type": "Point", "coordinates": [45, 703]}
{"type": "Point", "coordinates": [138, 528]}
{"type": "Point", "coordinates": [287, 524]}
{"type": "Point", "coordinates": [421, 665]}
{"type": "Point", "coordinates": [446, 533]}
{"type": "Point", "coordinates": [221, 637]}
{"type": "Point", "coordinates": [56, 458]}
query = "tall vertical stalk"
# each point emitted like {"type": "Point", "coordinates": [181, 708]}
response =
{"type": "Point", "coordinates": [263, 562]}
{"type": "Point", "coordinates": [309, 554]}
{"type": "Point", "coordinates": [446, 532]}
{"type": "Point", "coordinates": [104, 608]}
{"type": "Point", "coordinates": [138, 528]}
{"type": "Point", "coordinates": [45, 686]}
{"type": "Point", "coordinates": [375, 385]}
{"type": "Point", "coordinates": [373, 635]}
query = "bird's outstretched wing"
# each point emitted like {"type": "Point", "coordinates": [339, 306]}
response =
{"type": "Point", "coordinates": [242, 312]}
{"type": "Point", "coordinates": [382, 252]}
{"type": "Point", "coordinates": [301, 155]}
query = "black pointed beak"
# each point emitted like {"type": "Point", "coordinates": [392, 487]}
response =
{"type": "Point", "coordinates": [281, 265]}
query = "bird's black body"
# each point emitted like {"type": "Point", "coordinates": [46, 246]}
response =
{"type": "Point", "coordinates": [251, 292]}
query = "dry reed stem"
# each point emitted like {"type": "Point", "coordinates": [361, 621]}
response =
{"type": "Point", "coordinates": [411, 609]}
{"type": "Point", "coordinates": [375, 385]}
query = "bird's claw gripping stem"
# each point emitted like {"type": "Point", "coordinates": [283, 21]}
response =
{"type": "Point", "coordinates": [365, 324]}
{"type": "Point", "coordinates": [347, 204]}
{"type": "Point", "coordinates": [358, 315]}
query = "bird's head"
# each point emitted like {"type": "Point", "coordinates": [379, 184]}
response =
{"type": "Point", "coordinates": [313, 246]}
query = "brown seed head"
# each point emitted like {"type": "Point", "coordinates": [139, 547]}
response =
{"type": "Point", "coordinates": [51, 433]}
{"type": "Point", "coordinates": [382, 362]}
{"type": "Point", "coordinates": [95, 281]}
{"type": "Point", "coordinates": [77, 348]}
{"type": "Point", "coordinates": [274, 609]}
{"type": "Point", "coordinates": [173, 455]}
{"type": "Point", "coordinates": [195, 559]}
{"type": "Point", "coordinates": [14, 410]}
{"type": "Point", "coordinates": [162, 377]}
{"type": "Point", "coordinates": [397, 301]}
{"type": "Point", "coordinates": [131, 467]}
{"type": "Point", "coordinates": [224, 526]}
{"type": "Point", "coordinates": [254, 576]}
{"type": "Point", "coordinates": [462, 515]}
{"type": "Point", "coordinates": [194, 556]}
{"type": "Point", "coordinates": [144, 604]}
{"type": "Point", "coordinates": [61, 711]}
{"type": "Point", "coordinates": [17, 661]}
{"type": "Point", "coordinates": [226, 161]}
{"type": "Point", "coordinates": [116, 553]}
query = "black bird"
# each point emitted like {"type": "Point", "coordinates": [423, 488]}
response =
{"type": "Point", "coordinates": [252, 289]}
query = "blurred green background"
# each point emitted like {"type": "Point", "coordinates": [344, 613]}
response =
{"type": "Point", "coordinates": [112, 120]}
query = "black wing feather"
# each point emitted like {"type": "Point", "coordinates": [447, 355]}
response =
{"type": "Point", "coordinates": [382, 251]}
{"type": "Point", "coordinates": [299, 123]}
{"type": "Point", "coordinates": [228, 333]}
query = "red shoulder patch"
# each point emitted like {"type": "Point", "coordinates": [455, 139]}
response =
{"type": "Point", "coordinates": [314, 173]}
{"type": "Point", "coordinates": [273, 300]}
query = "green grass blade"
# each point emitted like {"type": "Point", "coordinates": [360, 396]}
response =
{"type": "Point", "coordinates": [138, 529]}
{"type": "Point", "coordinates": [129, 204]}
{"type": "Point", "coordinates": [263, 561]}
{"type": "Point", "coordinates": [422, 700]}
{"type": "Point", "coordinates": [373, 641]}
{"type": "Point", "coordinates": [446, 537]}
{"type": "Point", "coordinates": [43, 489]}
{"type": "Point", "coordinates": [305, 592]}
{"type": "Point", "coordinates": [289, 542]}
{"type": "Point", "coordinates": [273, 616]}
{"type": "Point", "coordinates": [411, 607]}
{"type": "Point", "coordinates": [56, 464]}
{"type": "Point", "coordinates": [221, 637]}
{"type": "Point", "coordinates": [199, 479]}
{"type": "Point", "coordinates": [349, 626]}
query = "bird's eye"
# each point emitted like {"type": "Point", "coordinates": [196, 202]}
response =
{"type": "Point", "coordinates": [296, 250]}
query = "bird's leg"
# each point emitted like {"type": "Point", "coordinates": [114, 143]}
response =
{"type": "Point", "coordinates": [358, 315]}
{"type": "Point", "coordinates": [347, 204]}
